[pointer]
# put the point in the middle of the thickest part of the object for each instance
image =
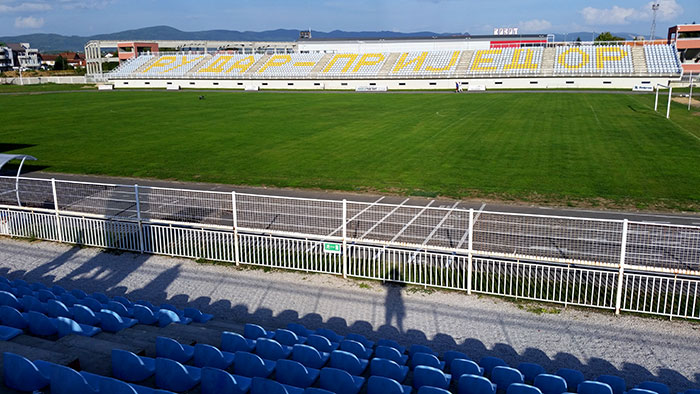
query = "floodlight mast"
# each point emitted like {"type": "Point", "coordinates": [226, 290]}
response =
{"type": "Point", "coordinates": [655, 10]}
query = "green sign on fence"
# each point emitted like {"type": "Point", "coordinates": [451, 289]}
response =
{"type": "Point", "coordinates": [331, 248]}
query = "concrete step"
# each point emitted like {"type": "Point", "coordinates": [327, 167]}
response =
{"type": "Point", "coordinates": [149, 333]}
{"type": "Point", "coordinates": [463, 63]}
{"type": "Point", "coordinates": [548, 59]}
{"type": "Point", "coordinates": [389, 64]}
{"type": "Point", "coordinates": [199, 64]}
{"type": "Point", "coordinates": [255, 67]}
{"type": "Point", "coordinates": [639, 59]}
{"type": "Point", "coordinates": [96, 359]}
{"type": "Point", "coordinates": [188, 334]}
{"type": "Point", "coordinates": [222, 325]}
{"type": "Point", "coordinates": [320, 65]}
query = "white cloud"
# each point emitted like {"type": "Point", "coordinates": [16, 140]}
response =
{"type": "Point", "coordinates": [24, 7]}
{"type": "Point", "coordinates": [616, 15]}
{"type": "Point", "coordinates": [535, 26]}
{"type": "Point", "coordinates": [84, 4]}
{"type": "Point", "coordinates": [28, 22]}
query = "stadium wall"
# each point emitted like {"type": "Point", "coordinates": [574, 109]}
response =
{"type": "Point", "coordinates": [398, 84]}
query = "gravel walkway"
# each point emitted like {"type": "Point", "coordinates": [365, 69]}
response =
{"type": "Point", "coordinates": [595, 342]}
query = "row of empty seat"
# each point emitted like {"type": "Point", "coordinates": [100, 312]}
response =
{"type": "Point", "coordinates": [568, 60]}
{"type": "Point", "coordinates": [292, 360]}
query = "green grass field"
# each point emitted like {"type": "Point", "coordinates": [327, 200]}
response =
{"type": "Point", "coordinates": [45, 87]}
{"type": "Point", "coordinates": [558, 148]}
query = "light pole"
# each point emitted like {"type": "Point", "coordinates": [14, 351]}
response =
{"type": "Point", "coordinates": [654, 9]}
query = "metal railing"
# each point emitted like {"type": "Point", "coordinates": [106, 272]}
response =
{"type": "Point", "coordinates": [611, 264]}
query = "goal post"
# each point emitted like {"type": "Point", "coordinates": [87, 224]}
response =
{"type": "Point", "coordinates": [656, 102]}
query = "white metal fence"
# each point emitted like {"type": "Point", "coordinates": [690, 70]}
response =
{"type": "Point", "coordinates": [609, 264]}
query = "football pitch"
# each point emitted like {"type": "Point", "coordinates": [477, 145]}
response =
{"type": "Point", "coordinates": [578, 149]}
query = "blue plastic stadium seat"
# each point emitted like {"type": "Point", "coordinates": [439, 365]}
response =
{"type": "Point", "coordinates": [616, 383]}
{"type": "Point", "coordinates": [309, 356]}
{"type": "Point", "coordinates": [31, 303]}
{"type": "Point", "coordinates": [121, 309]}
{"type": "Point", "coordinates": [173, 376]}
{"type": "Point", "coordinates": [322, 344]}
{"type": "Point", "coordinates": [44, 295]}
{"type": "Point", "coordinates": [209, 356]}
{"type": "Point", "coordinates": [57, 290]}
{"type": "Point", "coordinates": [640, 391]}
{"type": "Point", "coordinates": [473, 384]}
{"type": "Point", "coordinates": [429, 376]}
{"type": "Point", "coordinates": [24, 375]}
{"type": "Point", "coordinates": [356, 348]}
{"type": "Point", "coordinates": [148, 305]}
{"type": "Point", "coordinates": [659, 388]}
{"type": "Point", "coordinates": [20, 282]}
{"type": "Point", "coordinates": [109, 385]}
{"type": "Point", "coordinates": [174, 350]}
{"type": "Point", "coordinates": [271, 349]}
{"type": "Point", "coordinates": [7, 333]}
{"type": "Point", "coordinates": [390, 353]}
{"type": "Point", "coordinates": [41, 325]}
{"type": "Point", "coordinates": [65, 380]}
{"type": "Point", "coordinates": [124, 301]}
{"type": "Point", "coordinates": [6, 287]}
{"type": "Point", "coordinates": [426, 359]}
{"type": "Point", "coordinates": [452, 355]}
{"type": "Point", "coordinates": [360, 338]}
{"type": "Point", "coordinates": [4, 280]}
{"type": "Point", "coordinates": [391, 343]}
{"type": "Point", "coordinates": [36, 286]}
{"type": "Point", "coordinates": [299, 329]}
{"type": "Point", "coordinates": [383, 385]}
{"type": "Point", "coordinates": [56, 308]}
{"type": "Point", "coordinates": [130, 367]}
{"type": "Point", "coordinates": [254, 331]}
{"type": "Point", "coordinates": [251, 365]}
{"type": "Point", "coordinates": [692, 391]}
{"type": "Point", "coordinates": [111, 321]}
{"type": "Point", "coordinates": [573, 378]}
{"type": "Point", "coordinates": [197, 316]}
{"type": "Point", "coordinates": [295, 374]}
{"type": "Point", "coordinates": [181, 314]}
{"type": "Point", "coordinates": [521, 388]}
{"type": "Point", "coordinates": [12, 317]}
{"type": "Point", "coordinates": [503, 377]}
{"type": "Point", "coordinates": [656, 387]}
{"type": "Point", "coordinates": [287, 337]}
{"type": "Point", "coordinates": [79, 294]}
{"type": "Point", "coordinates": [102, 298]}
{"type": "Point", "coordinates": [234, 342]}
{"type": "Point", "coordinates": [144, 315]}
{"type": "Point", "coordinates": [550, 384]}
{"type": "Point", "coordinates": [388, 368]}
{"type": "Point", "coordinates": [21, 291]}
{"type": "Point", "coordinates": [166, 317]}
{"type": "Point", "coordinates": [340, 382]}
{"type": "Point", "coordinates": [432, 390]}
{"type": "Point", "coordinates": [420, 349]}
{"type": "Point", "coordinates": [267, 386]}
{"type": "Point", "coordinates": [461, 367]}
{"type": "Point", "coordinates": [489, 363]}
{"type": "Point", "coordinates": [68, 299]}
{"type": "Point", "coordinates": [591, 387]}
{"type": "Point", "coordinates": [217, 381]}
{"type": "Point", "coordinates": [85, 315]}
{"type": "Point", "coordinates": [349, 362]}
{"type": "Point", "coordinates": [330, 334]}
{"type": "Point", "coordinates": [66, 326]}
{"type": "Point", "coordinates": [317, 390]}
{"type": "Point", "coordinates": [530, 370]}
{"type": "Point", "coordinates": [92, 303]}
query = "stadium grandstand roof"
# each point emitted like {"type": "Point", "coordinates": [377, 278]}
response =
{"type": "Point", "coordinates": [5, 157]}
{"type": "Point", "coordinates": [435, 38]}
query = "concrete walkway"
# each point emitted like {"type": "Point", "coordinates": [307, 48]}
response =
{"type": "Point", "coordinates": [596, 342]}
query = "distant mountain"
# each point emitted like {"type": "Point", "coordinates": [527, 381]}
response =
{"type": "Point", "coordinates": [58, 43]}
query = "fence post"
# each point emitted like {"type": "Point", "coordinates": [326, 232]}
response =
{"type": "Point", "coordinates": [345, 239]}
{"type": "Point", "coordinates": [236, 250]}
{"type": "Point", "coordinates": [59, 230]}
{"type": "Point", "coordinates": [470, 248]}
{"type": "Point", "coordinates": [138, 217]}
{"type": "Point", "coordinates": [620, 278]}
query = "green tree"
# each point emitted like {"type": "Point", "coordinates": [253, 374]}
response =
{"type": "Point", "coordinates": [607, 36]}
{"type": "Point", "coordinates": [60, 64]}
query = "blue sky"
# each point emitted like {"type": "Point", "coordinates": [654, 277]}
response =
{"type": "Point", "coordinates": [87, 17]}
